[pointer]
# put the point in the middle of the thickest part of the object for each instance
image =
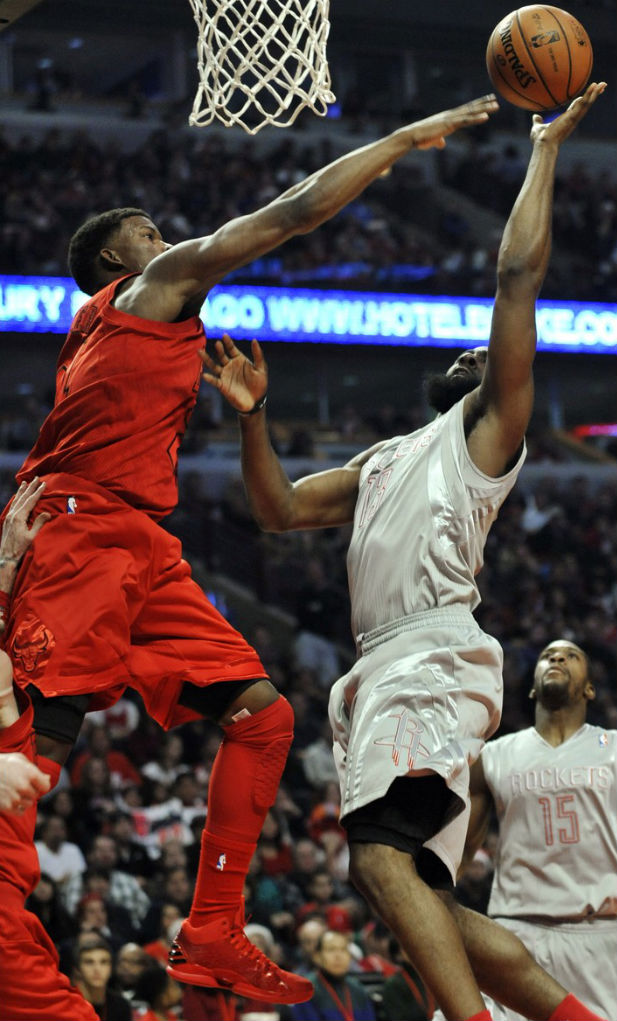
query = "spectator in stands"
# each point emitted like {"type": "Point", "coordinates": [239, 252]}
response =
{"type": "Point", "coordinates": [404, 995]}
{"type": "Point", "coordinates": [317, 604]}
{"type": "Point", "coordinates": [170, 919]}
{"type": "Point", "coordinates": [275, 845]}
{"type": "Point", "coordinates": [63, 804]}
{"type": "Point", "coordinates": [209, 1005]}
{"type": "Point", "coordinates": [190, 796]}
{"type": "Point", "coordinates": [324, 903]}
{"type": "Point", "coordinates": [173, 856]}
{"type": "Point", "coordinates": [92, 915]}
{"type": "Point", "coordinates": [58, 857]}
{"type": "Point", "coordinates": [256, 1010]}
{"type": "Point", "coordinates": [131, 856]}
{"type": "Point", "coordinates": [377, 946]}
{"type": "Point", "coordinates": [131, 962]}
{"type": "Point", "coordinates": [169, 764]}
{"type": "Point", "coordinates": [159, 992]}
{"type": "Point", "coordinates": [176, 888]}
{"type": "Point", "coordinates": [308, 936]}
{"type": "Point", "coordinates": [337, 996]}
{"type": "Point", "coordinates": [308, 857]}
{"type": "Point", "coordinates": [121, 769]}
{"type": "Point", "coordinates": [120, 720]}
{"type": "Point", "coordinates": [271, 900]}
{"type": "Point", "coordinates": [94, 795]}
{"type": "Point", "coordinates": [318, 760]}
{"type": "Point", "coordinates": [92, 973]}
{"type": "Point", "coordinates": [46, 904]}
{"type": "Point", "coordinates": [124, 889]}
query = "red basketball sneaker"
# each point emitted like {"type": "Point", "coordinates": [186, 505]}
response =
{"type": "Point", "coordinates": [220, 956]}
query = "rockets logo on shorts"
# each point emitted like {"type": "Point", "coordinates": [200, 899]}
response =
{"type": "Point", "coordinates": [32, 645]}
{"type": "Point", "coordinates": [221, 863]}
{"type": "Point", "coordinates": [404, 737]}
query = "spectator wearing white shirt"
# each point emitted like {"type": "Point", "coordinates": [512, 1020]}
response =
{"type": "Point", "coordinates": [169, 765]}
{"type": "Point", "coordinates": [58, 857]}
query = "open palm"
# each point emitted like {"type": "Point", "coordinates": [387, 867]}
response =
{"type": "Point", "coordinates": [241, 381]}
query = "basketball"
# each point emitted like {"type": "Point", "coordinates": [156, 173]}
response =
{"type": "Point", "coordinates": [539, 57]}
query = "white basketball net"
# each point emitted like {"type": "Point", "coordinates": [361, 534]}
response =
{"type": "Point", "coordinates": [260, 61]}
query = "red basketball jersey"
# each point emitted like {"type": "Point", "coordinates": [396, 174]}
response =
{"type": "Point", "coordinates": [125, 389]}
{"type": "Point", "coordinates": [19, 862]}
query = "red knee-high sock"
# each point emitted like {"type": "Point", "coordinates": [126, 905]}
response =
{"type": "Point", "coordinates": [572, 1009]}
{"type": "Point", "coordinates": [243, 785]}
{"type": "Point", "coordinates": [484, 1015]}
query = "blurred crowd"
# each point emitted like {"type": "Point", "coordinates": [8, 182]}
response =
{"type": "Point", "coordinates": [118, 840]}
{"type": "Point", "coordinates": [584, 216]}
{"type": "Point", "coordinates": [401, 234]}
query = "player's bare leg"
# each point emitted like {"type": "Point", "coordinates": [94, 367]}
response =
{"type": "Point", "coordinates": [503, 966]}
{"type": "Point", "coordinates": [422, 924]}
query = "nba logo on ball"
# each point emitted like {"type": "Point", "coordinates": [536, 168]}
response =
{"type": "Point", "coordinates": [544, 39]}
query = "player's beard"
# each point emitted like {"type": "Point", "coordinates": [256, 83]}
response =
{"type": "Point", "coordinates": [443, 392]}
{"type": "Point", "coordinates": [554, 693]}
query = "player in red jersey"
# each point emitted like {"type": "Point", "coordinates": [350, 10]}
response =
{"type": "Point", "coordinates": [27, 949]}
{"type": "Point", "coordinates": [107, 601]}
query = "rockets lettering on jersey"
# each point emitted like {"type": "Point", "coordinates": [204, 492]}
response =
{"type": "Point", "coordinates": [554, 778]}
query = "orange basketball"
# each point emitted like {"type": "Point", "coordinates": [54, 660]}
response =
{"type": "Point", "coordinates": [539, 57]}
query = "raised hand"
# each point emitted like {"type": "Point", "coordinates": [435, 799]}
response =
{"type": "Point", "coordinates": [557, 130]}
{"type": "Point", "coordinates": [16, 534]}
{"type": "Point", "coordinates": [432, 131]}
{"type": "Point", "coordinates": [241, 381]}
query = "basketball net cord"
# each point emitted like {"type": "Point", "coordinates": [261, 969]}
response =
{"type": "Point", "coordinates": [260, 61]}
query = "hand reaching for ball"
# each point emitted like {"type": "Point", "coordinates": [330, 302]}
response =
{"type": "Point", "coordinates": [557, 130]}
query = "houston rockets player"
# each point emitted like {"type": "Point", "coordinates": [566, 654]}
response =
{"type": "Point", "coordinates": [107, 600]}
{"type": "Point", "coordinates": [555, 789]}
{"type": "Point", "coordinates": [31, 984]}
{"type": "Point", "coordinates": [426, 689]}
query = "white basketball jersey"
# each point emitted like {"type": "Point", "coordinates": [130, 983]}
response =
{"type": "Point", "coordinates": [557, 811]}
{"type": "Point", "coordinates": [422, 517]}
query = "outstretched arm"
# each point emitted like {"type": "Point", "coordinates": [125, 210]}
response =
{"type": "Point", "coordinates": [278, 505]}
{"type": "Point", "coordinates": [497, 414]}
{"type": "Point", "coordinates": [188, 270]}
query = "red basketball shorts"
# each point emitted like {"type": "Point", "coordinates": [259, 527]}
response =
{"type": "Point", "coordinates": [31, 984]}
{"type": "Point", "coordinates": [104, 600]}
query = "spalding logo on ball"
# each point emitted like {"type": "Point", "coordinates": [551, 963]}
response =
{"type": "Point", "coordinates": [539, 57]}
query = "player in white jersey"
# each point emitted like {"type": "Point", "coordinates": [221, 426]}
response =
{"type": "Point", "coordinates": [425, 692]}
{"type": "Point", "coordinates": [554, 787]}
